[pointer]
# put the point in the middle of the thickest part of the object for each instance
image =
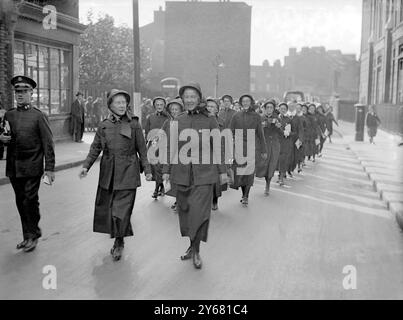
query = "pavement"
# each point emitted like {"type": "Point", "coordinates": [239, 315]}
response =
{"type": "Point", "coordinates": [382, 162]}
{"type": "Point", "coordinates": [326, 235]}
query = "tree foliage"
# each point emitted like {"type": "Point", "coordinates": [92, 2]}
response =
{"type": "Point", "coordinates": [106, 55]}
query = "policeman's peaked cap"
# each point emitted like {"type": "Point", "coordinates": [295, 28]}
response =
{"type": "Point", "coordinates": [23, 82]}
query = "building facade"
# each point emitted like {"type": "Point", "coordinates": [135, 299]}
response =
{"type": "Point", "coordinates": [49, 55]}
{"type": "Point", "coordinates": [322, 73]}
{"type": "Point", "coordinates": [267, 81]}
{"type": "Point", "coordinates": [381, 77]}
{"type": "Point", "coordinates": [208, 42]}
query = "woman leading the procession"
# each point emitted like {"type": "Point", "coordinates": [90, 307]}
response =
{"type": "Point", "coordinates": [124, 156]}
{"type": "Point", "coordinates": [153, 123]}
{"type": "Point", "coordinates": [246, 119]}
{"type": "Point", "coordinates": [194, 179]}
{"type": "Point", "coordinates": [272, 130]}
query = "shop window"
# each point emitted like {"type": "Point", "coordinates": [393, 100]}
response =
{"type": "Point", "coordinates": [50, 67]}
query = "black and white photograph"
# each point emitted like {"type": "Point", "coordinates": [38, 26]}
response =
{"type": "Point", "coordinates": [179, 151]}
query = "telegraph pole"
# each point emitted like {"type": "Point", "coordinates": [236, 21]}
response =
{"type": "Point", "coordinates": [136, 53]}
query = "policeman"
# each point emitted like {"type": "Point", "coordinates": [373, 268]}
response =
{"type": "Point", "coordinates": [30, 142]}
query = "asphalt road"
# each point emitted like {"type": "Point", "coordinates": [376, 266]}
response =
{"type": "Point", "coordinates": [293, 244]}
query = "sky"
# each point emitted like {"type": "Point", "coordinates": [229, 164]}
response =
{"type": "Point", "coordinates": [277, 25]}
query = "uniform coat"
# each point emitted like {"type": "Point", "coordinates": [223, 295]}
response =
{"type": "Point", "coordinates": [77, 118]}
{"type": "Point", "coordinates": [312, 133]}
{"type": "Point", "coordinates": [225, 115]}
{"type": "Point", "coordinates": [248, 120]}
{"type": "Point", "coordinates": [297, 132]}
{"type": "Point", "coordinates": [31, 144]}
{"type": "Point", "coordinates": [286, 146]}
{"type": "Point", "coordinates": [322, 129]}
{"type": "Point", "coordinates": [372, 121]}
{"type": "Point", "coordinates": [124, 156]}
{"type": "Point", "coordinates": [155, 121]}
{"type": "Point", "coordinates": [218, 188]}
{"type": "Point", "coordinates": [300, 153]}
{"type": "Point", "coordinates": [194, 182]}
{"type": "Point", "coordinates": [266, 168]}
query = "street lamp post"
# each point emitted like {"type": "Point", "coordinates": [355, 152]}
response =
{"type": "Point", "coordinates": [136, 54]}
{"type": "Point", "coordinates": [217, 64]}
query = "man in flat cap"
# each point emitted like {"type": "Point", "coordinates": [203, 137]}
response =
{"type": "Point", "coordinates": [78, 117]}
{"type": "Point", "coordinates": [30, 145]}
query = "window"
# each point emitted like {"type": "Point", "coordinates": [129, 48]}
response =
{"type": "Point", "coordinates": [50, 67]}
{"type": "Point", "coordinates": [400, 81]}
{"type": "Point", "coordinates": [253, 74]}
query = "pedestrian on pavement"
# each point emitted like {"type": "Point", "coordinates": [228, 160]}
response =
{"type": "Point", "coordinates": [286, 142]}
{"type": "Point", "coordinates": [154, 122]}
{"type": "Point", "coordinates": [89, 111]}
{"type": "Point", "coordinates": [246, 119]}
{"type": "Point", "coordinates": [98, 112]}
{"type": "Point", "coordinates": [213, 107]}
{"type": "Point", "coordinates": [329, 122]}
{"type": "Point", "coordinates": [78, 117]}
{"type": "Point", "coordinates": [322, 128]}
{"type": "Point", "coordinates": [30, 144]}
{"type": "Point", "coordinates": [226, 112]}
{"type": "Point", "coordinates": [194, 181]}
{"type": "Point", "coordinates": [174, 107]}
{"type": "Point", "coordinates": [124, 156]}
{"type": "Point", "coordinates": [372, 121]}
{"type": "Point", "coordinates": [272, 131]}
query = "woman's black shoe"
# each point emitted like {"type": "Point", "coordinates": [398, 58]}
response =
{"type": "Point", "coordinates": [188, 254]}
{"type": "Point", "coordinates": [30, 245]}
{"type": "Point", "coordinates": [155, 195]}
{"type": "Point", "coordinates": [22, 244]}
{"type": "Point", "coordinates": [197, 261]}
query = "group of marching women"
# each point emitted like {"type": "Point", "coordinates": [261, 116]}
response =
{"type": "Point", "coordinates": [285, 136]}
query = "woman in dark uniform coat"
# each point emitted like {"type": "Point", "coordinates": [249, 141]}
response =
{"type": "Point", "coordinates": [212, 107]}
{"type": "Point", "coordinates": [322, 127]}
{"type": "Point", "coordinates": [329, 122]}
{"type": "Point", "coordinates": [296, 136]}
{"type": "Point", "coordinates": [312, 137]}
{"type": "Point", "coordinates": [120, 138]}
{"type": "Point", "coordinates": [272, 130]}
{"type": "Point", "coordinates": [155, 121]}
{"type": "Point", "coordinates": [372, 121]}
{"type": "Point", "coordinates": [286, 143]}
{"type": "Point", "coordinates": [194, 181]}
{"type": "Point", "coordinates": [247, 118]}
{"type": "Point", "coordinates": [300, 153]}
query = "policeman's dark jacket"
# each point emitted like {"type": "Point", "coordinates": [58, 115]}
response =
{"type": "Point", "coordinates": [226, 115]}
{"type": "Point", "coordinates": [202, 174]}
{"type": "Point", "coordinates": [31, 143]}
{"type": "Point", "coordinates": [124, 153]}
{"type": "Point", "coordinates": [155, 121]}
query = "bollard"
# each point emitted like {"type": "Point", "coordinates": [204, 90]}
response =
{"type": "Point", "coordinates": [359, 121]}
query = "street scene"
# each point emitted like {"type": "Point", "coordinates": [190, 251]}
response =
{"type": "Point", "coordinates": [197, 150]}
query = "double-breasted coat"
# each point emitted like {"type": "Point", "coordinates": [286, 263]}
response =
{"type": "Point", "coordinates": [266, 168]}
{"type": "Point", "coordinates": [29, 153]}
{"type": "Point", "coordinates": [155, 121]}
{"type": "Point", "coordinates": [194, 181]}
{"type": "Point", "coordinates": [297, 132]}
{"type": "Point", "coordinates": [124, 157]}
{"type": "Point", "coordinates": [245, 120]}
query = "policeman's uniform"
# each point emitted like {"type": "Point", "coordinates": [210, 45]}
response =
{"type": "Point", "coordinates": [31, 144]}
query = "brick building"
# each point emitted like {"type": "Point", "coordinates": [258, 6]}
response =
{"type": "Point", "coordinates": [49, 56]}
{"type": "Point", "coordinates": [322, 73]}
{"type": "Point", "coordinates": [381, 80]}
{"type": "Point", "coordinates": [202, 41]}
{"type": "Point", "coordinates": [267, 81]}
